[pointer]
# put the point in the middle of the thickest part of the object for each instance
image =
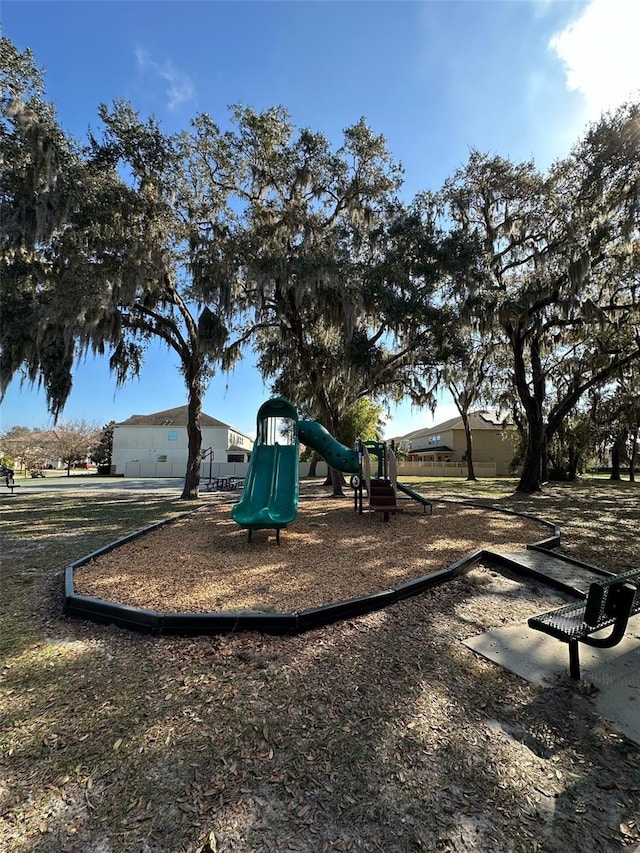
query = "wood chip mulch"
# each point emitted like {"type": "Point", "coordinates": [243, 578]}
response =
{"type": "Point", "coordinates": [204, 563]}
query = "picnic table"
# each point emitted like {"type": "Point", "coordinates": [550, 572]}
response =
{"type": "Point", "coordinates": [224, 484]}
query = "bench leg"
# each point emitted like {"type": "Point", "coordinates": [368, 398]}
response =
{"type": "Point", "coordinates": [574, 659]}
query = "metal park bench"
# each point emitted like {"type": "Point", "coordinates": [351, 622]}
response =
{"type": "Point", "coordinates": [609, 602]}
{"type": "Point", "coordinates": [7, 476]}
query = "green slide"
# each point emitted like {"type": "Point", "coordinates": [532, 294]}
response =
{"type": "Point", "coordinates": [336, 455]}
{"type": "Point", "coordinates": [270, 497]}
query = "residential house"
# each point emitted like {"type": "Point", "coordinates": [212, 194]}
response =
{"type": "Point", "coordinates": [156, 445]}
{"type": "Point", "coordinates": [441, 450]}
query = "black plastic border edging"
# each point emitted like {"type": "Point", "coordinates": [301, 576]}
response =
{"type": "Point", "coordinates": [110, 612]}
{"type": "Point", "coordinates": [418, 585]}
{"type": "Point", "coordinates": [193, 624]}
{"type": "Point", "coordinates": [543, 545]}
{"type": "Point", "coordinates": [326, 614]}
{"type": "Point", "coordinates": [501, 509]}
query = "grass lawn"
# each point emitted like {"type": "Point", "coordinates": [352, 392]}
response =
{"type": "Point", "coordinates": [599, 520]}
{"type": "Point", "coordinates": [383, 733]}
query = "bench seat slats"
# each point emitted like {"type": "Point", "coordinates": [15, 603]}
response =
{"type": "Point", "coordinates": [564, 623]}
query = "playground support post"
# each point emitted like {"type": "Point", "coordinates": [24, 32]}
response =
{"type": "Point", "coordinates": [356, 479]}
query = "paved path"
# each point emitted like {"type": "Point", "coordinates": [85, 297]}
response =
{"type": "Point", "coordinates": [110, 484]}
{"type": "Point", "coordinates": [615, 673]}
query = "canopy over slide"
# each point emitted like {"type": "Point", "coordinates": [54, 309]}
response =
{"type": "Point", "coordinates": [270, 497]}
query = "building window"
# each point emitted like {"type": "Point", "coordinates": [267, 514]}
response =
{"type": "Point", "coordinates": [172, 435]}
{"type": "Point", "coordinates": [235, 457]}
{"type": "Point", "coordinates": [162, 457]}
{"type": "Point", "coordinates": [239, 440]}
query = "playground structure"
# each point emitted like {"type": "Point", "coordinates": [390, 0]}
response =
{"type": "Point", "coordinates": [271, 488]}
{"type": "Point", "coordinates": [610, 602]}
{"type": "Point", "coordinates": [382, 490]}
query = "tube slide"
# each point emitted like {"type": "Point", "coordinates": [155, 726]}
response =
{"type": "Point", "coordinates": [336, 455]}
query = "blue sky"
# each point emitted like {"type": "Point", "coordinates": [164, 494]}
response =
{"type": "Point", "coordinates": [515, 78]}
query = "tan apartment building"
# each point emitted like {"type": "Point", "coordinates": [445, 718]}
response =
{"type": "Point", "coordinates": [441, 450]}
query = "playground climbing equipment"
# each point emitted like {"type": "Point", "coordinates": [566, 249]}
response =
{"type": "Point", "coordinates": [271, 488]}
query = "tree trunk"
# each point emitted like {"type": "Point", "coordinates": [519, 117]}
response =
{"type": "Point", "coordinates": [313, 465]}
{"type": "Point", "coordinates": [615, 461]}
{"type": "Point", "coordinates": [334, 478]}
{"type": "Point", "coordinates": [633, 455]}
{"type": "Point", "coordinates": [544, 459]}
{"type": "Point", "coordinates": [336, 481]}
{"type": "Point", "coordinates": [574, 459]}
{"type": "Point", "coordinates": [531, 477]}
{"type": "Point", "coordinates": [471, 474]}
{"type": "Point", "coordinates": [194, 434]}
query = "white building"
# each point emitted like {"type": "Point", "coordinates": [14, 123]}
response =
{"type": "Point", "coordinates": [157, 446]}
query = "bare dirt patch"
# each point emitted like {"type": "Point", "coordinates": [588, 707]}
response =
{"type": "Point", "coordinates": [203, 562]}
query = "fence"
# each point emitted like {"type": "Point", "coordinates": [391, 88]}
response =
{"type": "Point", "coordinates": [178, 469]}
{"type": "Point", "coordinates": [444, 469]}
{"type": "Point", "coordinates": [239, 469]}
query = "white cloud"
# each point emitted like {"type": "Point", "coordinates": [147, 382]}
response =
{"type": "Point", "coordinates": [180, 89]}
{"type": "Point", "coordinates": [600, 53]}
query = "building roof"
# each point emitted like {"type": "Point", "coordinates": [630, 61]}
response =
{"type": "Point", "coordinates": [477, 421]}
{"type": "Point", "coordinates": [172, 417]}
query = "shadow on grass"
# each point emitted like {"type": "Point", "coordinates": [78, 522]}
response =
{"type": "Point", "coordinates": [380, 733]}
{"type": "Point", "coordinates": [598, 519]}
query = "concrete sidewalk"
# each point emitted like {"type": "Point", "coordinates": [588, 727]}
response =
{"type": "Point", "coordinates": [540, 659]}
